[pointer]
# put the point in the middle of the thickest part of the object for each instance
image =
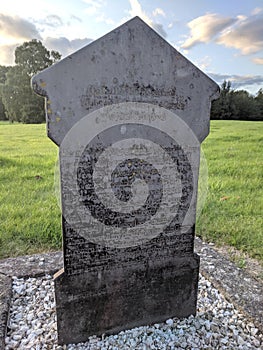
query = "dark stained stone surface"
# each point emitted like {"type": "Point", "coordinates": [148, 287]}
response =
{"type": "Point", "coordinates": [5, 298]}
{"type": "Point", "coordinates": [108, 301]}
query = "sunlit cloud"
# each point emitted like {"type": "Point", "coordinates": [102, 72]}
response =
{"type": "Point", "coordinates": [7, 54]}
{"type": "Point", "coordinates": [64, 46]}
{"type": "Point", "coordinates": [205, 28]}
{"type": "Point", "coordinates": [258, 60]}
{"type": "Point", "coordinates": [136, 10]}
{"type": "Point", "coordinates": [242, 33]}
{"type": "Point", "coordinates": [246, 36]}
{"type": "Point", "coordinates": [16, 29]}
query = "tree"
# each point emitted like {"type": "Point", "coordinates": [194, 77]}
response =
{"type": "Point", "coordinates": [3, 71]}
{"type": "Point", "coordinates": [238, 104]}
{"type": "Point", "coordinates": [33, 57]}
{"type": "Point", "coordinates": [244, 104]}
{"type": "Point", "coordinates": [223, 107]}
{"type": "Point", "coordinates": [259, 104]}
{"type": "Point", "coordinates": [20, 102]}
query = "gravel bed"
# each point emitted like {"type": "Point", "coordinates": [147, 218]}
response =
{"type": "Point", "coordinates": [217, 325]}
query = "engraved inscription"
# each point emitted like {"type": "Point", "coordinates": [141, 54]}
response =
{"type": "Point", "coordinates": [101, 95]}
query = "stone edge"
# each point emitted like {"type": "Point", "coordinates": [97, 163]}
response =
{"type": "Point", "coordinates": [5, 299]}
{"type": "Point", "coordinates": [238, 287]}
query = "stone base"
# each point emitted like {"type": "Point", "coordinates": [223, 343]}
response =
{"type": "Point", "coordinates": [108, 301]}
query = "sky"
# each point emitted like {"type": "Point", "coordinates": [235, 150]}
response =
{"type": "Point", "coordinates": [224, 38]}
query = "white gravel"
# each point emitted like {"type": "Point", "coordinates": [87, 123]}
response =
{"type": "Point", "coordinates": [217, 325]}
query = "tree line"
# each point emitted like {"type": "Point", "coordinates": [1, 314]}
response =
{"type": "Point", "coordinates": [239, 104]}
{"type": "Point", "coordinates": [19, 103]}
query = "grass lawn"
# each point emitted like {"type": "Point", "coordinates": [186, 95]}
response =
{"type": "Point", "coordinates": [233, 212]}
{"type": "Point", "coordinates": [30, 216]}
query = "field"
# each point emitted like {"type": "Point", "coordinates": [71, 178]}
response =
{"type": "Point", "coordinates": [29, 216]}
{"type": "Point", "coordinates": [232, 214]}
{"type": "Point", "coordinates": [233, 211]}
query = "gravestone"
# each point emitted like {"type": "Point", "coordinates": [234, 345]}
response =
{"type": "Point", "coordinates": [128, 113]}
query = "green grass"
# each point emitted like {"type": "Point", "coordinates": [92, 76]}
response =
{"type": "Point", "coordinates": [30, 216]}
{"type": "Point", "coordinates": [233, 212]}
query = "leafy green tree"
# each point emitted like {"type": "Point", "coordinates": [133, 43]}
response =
{"type": "Point", "coordinates": [17, 95]}
{"type": "Point", "coordinates": [259, 104]}
{"type": "Point", "coordinates": [33, 57]}
{"type": "Point", "coordinates": [20, 102]}
{"type": "Point", "coordinates": [3, 71]}
{"type": "Point", "coordinates": [223, 107]}
{"type": "Point", "coordinates": [239, 105]}
{"type": "Point", "coordinates": [245, 106]}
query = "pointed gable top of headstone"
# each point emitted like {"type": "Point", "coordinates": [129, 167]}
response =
{"type": "Point", "coordinates": [132, 63]}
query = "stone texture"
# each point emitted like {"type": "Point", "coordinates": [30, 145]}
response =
{"type": "Point", "coordinates": [32, 265]}
{"type": "Point", "coordinates": [5, 298]}
{"type": "Point", "coordinates": [113, 231]}
{"type": "Point", "coordinates": [131, 63]}
{"type": "Point", "coordinates": [108, 301]}
{"type": "Point", "coordinates": [129, 113]}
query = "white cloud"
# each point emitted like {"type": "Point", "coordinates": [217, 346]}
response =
{"type": "Point", "coordinates": [246, 36]}
{"type": "Point", "coordinates": [7, 54]}
{"type": "Point", "coordinates": [258, 60]}
{"type": "Point", "coordinates": [242, 33]}
{"type": "Point", "coordinates": [205, 28]}
{"type": "Point", "coordinates": [75, 18]}
{"type": "Point", "coordinates": [204, 62]}
{"type": "Point", "coordinates": [105, 19]}
{"type": "Point", "coordinates": [51, 21]}
{"type": "Point", "coordinates": [159, 12]}
{"type": "Point", "coordinates": [95, 9]}
{"type": "Point", "coordinates": [136, 10]}
{"type": "Point", "coordinates": [159, 29]}
{"type": "Point", "coordinates": [256, 11]}
{"type": "Point", "coordinates": [65, 46]}
{"type": "Point", "coordinates": [16, 28]}
{"type": "Point", "coordinates": [238, 81]}
{"type": "Point", "coordinates": [94, 6]}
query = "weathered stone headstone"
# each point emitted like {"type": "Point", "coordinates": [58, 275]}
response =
{"type": "Point", "coordinates": [129, 113]}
